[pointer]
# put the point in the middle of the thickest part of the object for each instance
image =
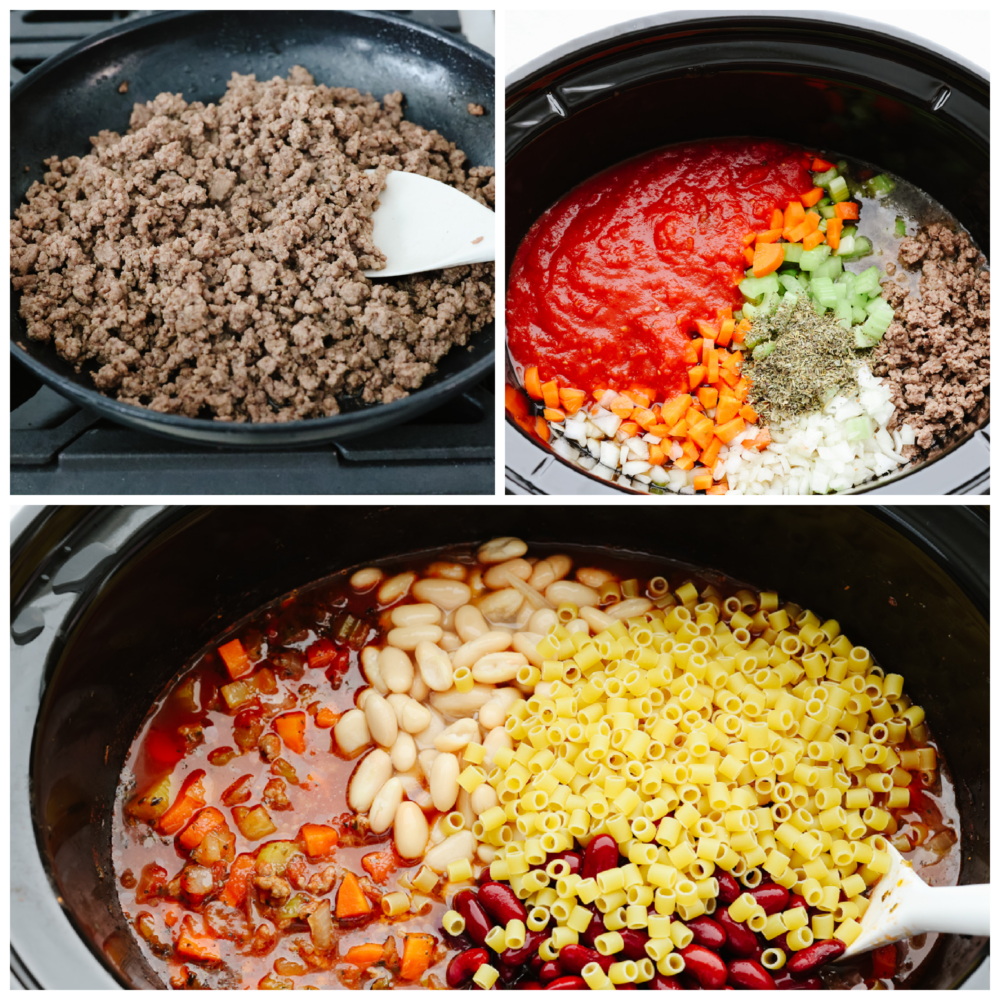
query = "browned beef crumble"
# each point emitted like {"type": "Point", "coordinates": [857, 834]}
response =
{"type": "Point", "coordinates": [936, 354]}
{"type": "Point", "coordinates": [209, 261]}
{"type": "Point", "coordinates": [476, 109]}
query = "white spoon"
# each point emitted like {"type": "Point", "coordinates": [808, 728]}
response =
{"type": "Point", "coordinates": [903, 905]}
{"type": "Point", "coordinates": [422, 224]}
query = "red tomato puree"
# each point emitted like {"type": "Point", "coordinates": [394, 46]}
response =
{"type": "Point", "coordinates": [607, 284]}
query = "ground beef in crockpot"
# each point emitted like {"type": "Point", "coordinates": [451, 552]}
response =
{"type": "Point", "coordinates": [208, 262]}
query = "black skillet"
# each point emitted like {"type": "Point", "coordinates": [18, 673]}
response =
{"type": "Point", "coordinates": [59, 105]}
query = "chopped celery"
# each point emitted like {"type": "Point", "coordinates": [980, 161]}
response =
{"type": "Point", "coordinates": [847, 280]}
{"type": "Point", "coordinates": [823, 202]}
{"type": "Point", "coordinates": [849, 231]}
{"type": "Point", "coordinates": [840, 291]}
{"type": "Point", "coordinates": [868, 281]}
{"type": "Point", "coordinates": [754, 337]}
{"type": "Point", "coordinates": [750, 311]}
{"type": "Point", "coordinates": [827, 211]}
{"type": "Point", "coordinates": [830, 268]}
{"type": "Point", "coordinates": [822, 290]}
{"type": "Point", "coordinates": [841, 165]}
{"type": "Point", "coordinates": [838, 189]}
{"type": "Point", "coordinates": [862, 247]}
{"type": "Point", "coordinates": [793, 252]}
{"type": "Point", "coordinates": [859, 314]}
{"type": "Point", "coordinates": [754, 288]}
{"type": "Point", "coordinates": [858, 429]}
{"type": "Point", "coordinates": [821, 180]}
{"type": "Point", "coordinates": [822, 225]}
{"type": "Point", "coordinates": [811, 259]}
{"type": "Point", "coordinates": [900, 226]}
{"type": "Point", "coordinates": [791, 283]}
{"type": "Point", "coordinates": [846, 247]}
{"type": "Point", "coordinates": [842, 310]}
{"type": "Point", "coordinates": [761, 351]}
{"type": "Point", "coordinates": [882, 184]}
{"type": "Point", "coordinates": [864, 338]}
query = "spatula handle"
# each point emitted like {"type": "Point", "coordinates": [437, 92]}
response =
{"type": "Point", "coordinates": [960, 909]}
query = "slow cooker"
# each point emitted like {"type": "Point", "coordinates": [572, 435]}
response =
{"type": "Point", "coordinates": [914, 109]}
{"type": "Point", "coordinates": [109, 603]}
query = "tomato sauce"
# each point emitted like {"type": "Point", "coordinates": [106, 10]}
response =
{"type": "Point", "coordinates": [608, 283]}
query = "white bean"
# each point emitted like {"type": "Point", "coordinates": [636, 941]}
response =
{"type": "Point", "coordinates": [577, 625]}
{"type": "Point", "coordinates": [416, 614]}
{"type": "Point", "coordinates": [448, 621]}
{"type": "Point", "coordinates": [464, 806]}
{"type": "Point", "coordinates": [351, 731]}
{"type": "Point", "coordinates": [501, 605]}
{"type": "Point", "coordinates": [455, 848]}
{"type": "Point", "coordinates": [381, 719]}
{"type": "Point", "coordinates": [486, 853]}
{"type": "Point", "coordinates": [498, 668]}
{"type": "Point", "coordinates": [446, 594]}
{"type": "Point", "coordinates": [363, 697]}
{"type": "Point", "coordinates": [425, 738]}
{"type": "Point", "coordinates": [499, 576]}
{"type": "Point", "coordinates": [561, 565]}
{"type": "Point", "coordinates": [385, 805]}
{"type": "Point", "coordinates": [395, 669]}
{"type": "Point", "coordinates": [495, 739]}
{"type": "Point", "coordinates": [450, 642]}
{"type": "Point", "coordinates": [570, 590]}
{"type": "Point", "coordinates": [410, 830]}
{"type": "Point", "coordinates": [457, 736]}
{"type": "Point", "coordinates": [526, 643]}
{"type": "Point", "coordinates": [444, 781]}
{"type": "Point", "coordinates": [489, 642]}
{"type": "Point", "coordinates": [447, 570]}
{"type": "Point", "coordinates": [365, 579]}
{"type": "Point", "coordinates": [434, 665]}
{"type": "Point", "coordinates": [461, 704]}
{"type": "Point", "coordinates": [470, 623]}
{"type": "Point", "coordinates": [597, 620]}
{"type": "Point", "coordinates": [498, 550]}
{"type": "Point", "coordinates": [419, 690]}
{"type": "Point", "coordinates": [395, 587]}
{"type": "Point", "coordinates": [410, 636]}
{"type": "Point", "coordinates": [476, 584]}
{"type": "Point", "coordinates": [483, 798]}
{"type": "Point", "coordinates": [633, 606]}
{"type": "Point", "coordinates": [369, 776]}
{"type": "Point", "coordinates": [542, 621]}
{"type": "Point", "coordinates": [425, 760]}
{"type": "Point", "coordinates": [414, 790]}
{"type": "Point", "coordinates": [404, 752]}
{"type": "Point", "coordinates": [593, 577]}
{"type": "Point", "coordinates": [542, 574]}
{"type": "Point", "coordinates": [492, 714]}
{"type": "Point", "coordinates": [369, 667]}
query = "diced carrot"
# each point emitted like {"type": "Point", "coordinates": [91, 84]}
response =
{"type": "Point", "coordinates": [726, 432]}
{"type": "Point", "coordinates": [363, 955]}
{"type": "Point", "coordinates": [728, 376]}
{"type": "Point", "coordinates": [696, 376]}
{"type": "Point", "coordinates": [710, 455]}
{"type": "Point", "coordinates": [235, 658]}
{"type": "Point", "coordinates": [845, 210]}
{"type": "Point", "coordinates": [628, 428]}
{"type": "Point", "coordinates": [240, 873]}
{"type": "Point", "coordinates": [318, 839]}
{"type": "Point", "coordinates": [656, 455]}
{"type": "Point", "coordinates": [713, 366]}
{"type": "Point", "coordinates": [794, 214]}
{"type": "Point", "coordinates": [550, 394]}
{"type": "Point", "coordinates": [708, 396]}
{"type": "Point", "coordinates": [732, 360]}
{"type": "Point", "coordinates": [742, 329]}
{"type": "Point", "coordinates": [680, 429]}
{"type": "Point", "coordinates": [554, 415]}
{"type": "Point", "coordinates": [416, 956]}
{"type": "Point", "coordinates": [698, 344]}
{"type": "Point", "coordinates": [719, 488]}
{"type": "Point", "coordinates": [644, 418]}
{"type": "Point", "coordinates": [685, 462]}
{"type": "Point", "coordinates": [640, 397]}
{"type": "Point", "coordinates": [819, 165]}
{"type": "Point", "coordinates": [199, 828]}
{"type": "Point", "coordinates": [701, 433]}
{"type": "Point", "coordinates": [190, 799]}
{"type": "Point", "coordinates": [599, 390]}
{"type": "Point", "coordinates": [622, 408]}
{"type": "Point", "coordinates": [706, 329]}
{"type": "Point", "coordinates": [748, 256]}
{"type": "Point", "coordinates": [702, 481]}
{"type": "Point", "coordinates": [813, 240]}
{"type": "Point", "coordinates": [380, 864]}
{"type": "Point", "coordinates": [811, 197]}
{"type": "Point", "coordinates": [327, 718]}
{"type": "Point", "coordinates": [748, 238]}
{"type": "Point", "coordinates": [691, 353]}
{"type": "Point", "coordinates": [777, 219]}
{"type": "Point", "coordinates": [291, 727]}
{"type": "Point", "coordinates": [572, 400]}
{"type": "Point", "coordinates": [742, 389]}
{"type": "Point", "coordinates": [728, 407]}
{"type": "Point", "coordinates": [749, 414]}
{"type": "Point", "coordinates": [795, 234]}
{"type": "Point", "coordinates": [767, 257]}
{"type": "Point", "coordinates": [690, 449]}
{"type": "Point", "coordinates": [170, 918]}
{"type": "Point", "coordinates": [761, 441]}
{"type": "Point", "coordinates": [198, 947]}
{"type": "Point", "coordinates": [673, 409]}
{"type": "Point", "coordinates": [812, 221]}
{"type": "Point", "coordinates": [351, 900]}
{"type": "Point", "coordinates": [834, 227]}
{"type": "Point", "coordinates": [769, 236]}
{"type": "Point", "coordinates": [542, 429]}
{"type": "Point", "coordinates": [660, 431]}
{"type": "Point", "coordinates": [532, 384]}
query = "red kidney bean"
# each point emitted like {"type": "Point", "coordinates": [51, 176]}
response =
{"type": "Point", "coordinates": [550, 971]}
{"type": "Point", "coordinates": [750, 975]}
{"type": "Point", "coordinates": [634, 945]}
{"type": "Point", "coordinates": [501, 904]}
{"type": "Point", "coordinates": [477, 921]}
{"type": "Point", "coordinates": [567, 983]}
{"type": "Point", "coordinates": [798, 901]}
{"type": "Point", "coordinates": [729, 888]}
{"type": "Point", "coordinates": [601, 854]}
{"type": "Point", "coordinates": [781, 941]}
{"type": "Point", "coordinates": [772, 898]}
{"type": "Point", "coordinates": [530, 985]}
{"type": "Point", "coordinates": [463, 967]}
{"type": "Point", "coordinates": [661, 982]}
{"type": "Point", "coordinates": [518, 956]}
{"type": "Point", "coordinates": [740, 940]}
{"type": "Point", "coordinates": [707, 932]}
{"type": "Point", "coordinates": [573, 858]}
{"type": "Point", "coordinates": [594, 929]}
{"type": "Point", "coordinates": [626, 986]}
{"type": "Point", "coordinates": [705, 966]}
{"type": "Point", "coordinates": [535, 963]}
{"type": "Point", "coordinates": [786, 981]}
{"type": "Point", "coordinates": [807, 961]}
{"type": "Point", "coordinates": [573, 957]}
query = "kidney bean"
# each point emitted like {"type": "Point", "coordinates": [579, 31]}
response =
{"type": "Point", "coordinates": [567, 983]}
{"type": "Point", "coordinates": [807, 961]}
{"type": "Point", "coordinates": [772, 898]}
{"type": "Point", "coordinates": [798, 901]}
{"type": "Point", "coordinates": [635, 944]}
{"type": "Point", "coordinates": [750, 975]}
{"type": "Point", "coordinates": [781, 941]}
{"type": "Point", "coordinates": [573, 957]}
{"type": "Point", "coordinates": [464, 966]}
{"type": "Point", "coordinates": [601, 854]}
{"type": "Point", "coordinates": [786, 981]}
{"type": "Point", "coordinates": [573, 858]}
{"type": "Point", "coordinates": [707, 932]}
{"type": "Point", "coordinates": [594, 929]}
{"type": "Point", "coordinates": [535, 963]}
{"type": "Point", "coordinates": [501, 904]}
{"type": "Point", "coordinates": [550, 971]}
{"type": "Point", "coordinates": [477, 921]}
{"type": "Point", "coordinates": [740, 940]}
{"type": "Point", "coordinates": [705, 966]}
{"type": "Point", "coordinates": [729, 888]}
{"type": "Point", "coordinates": [661, 982]}
{"type": "Point", "coordinates": [530, 985]}
{"type": "Point", "coordinates": [518, 956]}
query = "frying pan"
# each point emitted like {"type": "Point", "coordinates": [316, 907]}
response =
{"type": "Point", "coordinates": [59, 105]}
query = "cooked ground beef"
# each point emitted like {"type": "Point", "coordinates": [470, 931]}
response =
{"type": "Point", "coordinates": [936, 354]}
{"type": "Point", "coordinates": [208, 263]}
{"type": "Point", "coordinates": [476, 109]}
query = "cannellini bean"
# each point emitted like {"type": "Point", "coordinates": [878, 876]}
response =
{"type": "Point", "coordinates": [542, 621]}
{"type": "Point", "coordinates": [411, 715]}
{"type": "Point", "coordinates": [526, 643]}
{"type": "Point", "coordinates": [450, 642]}
{"type": "Point", "coordinates": [446, 594]}
{"type": "Point", "coordinates": [437, 832]}
{"type": "Point", "coordinates": [486, 853]}
{"type": "Point", "coordinates": [470, 623]}
{"type": "Point", "coordinates": [351, 731]}
{"type": "Point", "coordinates": [543, 689]}
{"type": "Point", "coordinates": [425, 760]}
{"type": "Point", "coordinates": [633, 606]}
{"type": "Point", "coordinates": [426, 737]}
{"type": "Point", "coordinates": [395, 669]}
{"type": "Point", "coordinates": [593, 577]}
{"type": "Point", "coordinates": [448, 621]}
{"type": "Point", "coordinates": [501, 605]}
{"type": "Point", "coordinates": [410, 830]}
{"type": "Point", "coordinates": [369, 667]}
{"type": "Point", "coordinates": [492, 714]}
{"type": "Point", "coordinates": [510, 696]}
{"type": "Point", "coordinates": [408, 637]}
{"type": "Point", "coordinates": [369, 776]}
{"type": "Point", "coordinates": [570, 590]}
{"type": "Point", "coordinates": [460, 704]}
{"type": "Point", "coordinates": [365, 579]}
{"type": "Point", "coordinates": [483, 798]}
{"type": "Point", "coordinates": [577, 625]}
{"type": "Point", "coordinates": [454, 848]}
{"type": "Point", "coordinates": [542, 574]}
{"type": "Point", "coordinates": [489, 642]}
{"type": "Point", "coordinates": [385, 804]}
{"type": "Point", "coordinates": [363, 697]}
{"type": "Point", "coordinates": [464, 806]}
{"type": "Point", "coordinates": [447, 570]}
{"type": "Point", "coordinates": [413, 788]}
{"type": "Point", "coordinates": [498, 550]}
{"type": "Point", "coordinates": [444, 781]}
{"type": "Point", "coordinates": [457, 736]}
{"type": "Point", "coordinates": [404, 752]}
{"type": "Point", "coordinates": [476, 584]}
{"type": "Point", "coordinates": [499, 576]}
{"type": "Point", "coordinates": [434, 665]}
{"type": "Point", "coordinates": [415, 614]}
{"type": "Point", "coordinates": [419, 690]}
{"type": "Point", "coordinates": [561, 565]}
{"type": "Point", "coordinates": [381, 719]}
{"type": "Point", "coordinates": [395, 587]}
{"type": "Point", "coordinates": [597, 620]}
{"type": "Point", "coordinates": [498, 668]}
{"type": "Point", "coordinates": [495, 739]}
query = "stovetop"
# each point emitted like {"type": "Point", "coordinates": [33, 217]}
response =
{"type": "Point", "coordinates": [57, 448]}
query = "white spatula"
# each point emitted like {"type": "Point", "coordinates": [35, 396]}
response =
{"type": "Point", "coordinates": [903, 905]}
{"type": "Point", "coordinates": [422, 224]}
